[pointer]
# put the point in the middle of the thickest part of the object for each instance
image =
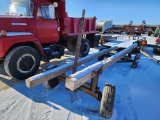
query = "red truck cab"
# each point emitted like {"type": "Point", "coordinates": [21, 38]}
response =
{"type": "Point", "coordinates": [35, 30]}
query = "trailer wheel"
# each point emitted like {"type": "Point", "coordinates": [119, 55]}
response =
{"type": "Point", "coordinates": [156, 50]}
{"type": "Point", "coordinates": [51, 83]}
{"type": "Point", "coordinates": [99, 95]}
{"type": "Point", "coordinates": [101, 57]}
{"type": "Point", "coordinates": [85, 47]}
{"type": "Point", "coordinates": [107, 101]}
{"type": "Point", "coordinates": [22, 62]}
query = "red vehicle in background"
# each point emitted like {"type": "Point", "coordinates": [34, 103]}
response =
{"type": "Point", "coordinates": [35, 30]}
{"type": "Point", "coordinates": [156, 49]}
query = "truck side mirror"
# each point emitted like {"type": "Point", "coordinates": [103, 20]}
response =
{"type": "Point", "coordinates": [51, 12]}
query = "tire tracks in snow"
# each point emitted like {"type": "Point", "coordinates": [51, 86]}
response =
{"type": "Point", "coordinates": [13, 106]}
{"type": "Point", "coordinates": [123, 86]}
{"type": "Point", "coordinates": [41, 98]}
{"type": "Point", "coordinates": [16, 106]}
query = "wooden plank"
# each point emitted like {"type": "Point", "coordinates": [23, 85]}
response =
{"type": "Point", "coordinates": [73, 84]}
{"type": "Point", "coordinates": [94, 83]}
{"type": "Point", "coordinates": [74, 81]}
{"type": "Point", "coordinates": [78, 43]}
{"type": "Point", "coordinates": [85, 90]}
{"type": "Point", "coordinates": [45, 76]}
{"type": "Point", "coordinates": [125, 44]}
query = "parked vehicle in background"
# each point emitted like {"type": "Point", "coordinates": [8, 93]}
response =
{"type": "Point", "coordinates": [156, 49]}
{"type": "Point", "coordinates": [35, 30]}
{"type": "Point", "coordinates": [104, 25]}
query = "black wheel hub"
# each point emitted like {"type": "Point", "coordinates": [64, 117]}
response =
{"type": "Point", "coordinates": [26, 63]}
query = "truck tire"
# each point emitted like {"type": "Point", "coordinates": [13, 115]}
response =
{"type": "Point", "coordinates": [85, 47]}
{"type": "Point", "coordinates": [1, 61]}
{"type": "Point", "coordinates": [107, 101]}
{"type": "Point", "coordinates": [22, 62]}
{"type": "Point", "coordinates": [71, 44]}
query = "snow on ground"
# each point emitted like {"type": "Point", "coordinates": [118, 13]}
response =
{"type": "Point", "coordinates": [137, 96]}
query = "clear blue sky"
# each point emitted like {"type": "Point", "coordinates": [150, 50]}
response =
{"type": "Point", "coordinates": [120, 11]}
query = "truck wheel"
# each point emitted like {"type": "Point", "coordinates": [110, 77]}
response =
{"type": "Point", "coordinates": [71, 45]}
{"type": "Point", "coordinates": [22, 62]}
{"type": "Point", "coordinates": [1, 61]}
{"type": "Point", "coordinates": [107, 101]}
{"type": "Point", "coordinates": [85, 47]}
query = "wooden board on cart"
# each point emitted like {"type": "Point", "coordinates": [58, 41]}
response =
{"type": "Point", "coordinates": [74, 81]}
{"type": "Point", "coordinates": [120, 44]}
{"type": "Point", "coordinates": [48, 75]}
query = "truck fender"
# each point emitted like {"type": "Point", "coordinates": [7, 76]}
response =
{"type": "Point", "coordinates": [39, 47]}
{"type": "Point", "coordinates": [35, 44]}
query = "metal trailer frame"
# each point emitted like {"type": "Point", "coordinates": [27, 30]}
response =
{"type": "Point", "coordinates": [77, 81]}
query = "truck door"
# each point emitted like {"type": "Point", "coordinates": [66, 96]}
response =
{"type": "Point", "coordinates": [47, 28]}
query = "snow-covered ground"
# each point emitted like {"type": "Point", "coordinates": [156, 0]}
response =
{"type": "Point", "coordinates": [137, 95]}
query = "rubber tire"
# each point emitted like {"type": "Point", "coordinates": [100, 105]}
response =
{"type": "Point", "coordinates": [149, 33]}
{"type": "Point", "coordinates": [107, 102]}
{"type": "Point", "coordinates": [156, 50]}
{"type": "Point", "coordinates": [53, 82]}
{"type": "Point", "coordinates": [71, 45]}
{"type": "Point", "coordinates": [83, 43]}
{"type": "Point", "coordinates": [101, 57]}
{"type": "Point", "coordinates": [12, 57]}
{"type": "Point", "coordinates": [1, 61]}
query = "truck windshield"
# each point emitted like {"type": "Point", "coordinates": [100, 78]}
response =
{"type": "Point", "coordinates": [16, 7]}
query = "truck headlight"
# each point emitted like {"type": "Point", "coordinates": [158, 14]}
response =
{"type": "Point", "coordinates": [3, 33]}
